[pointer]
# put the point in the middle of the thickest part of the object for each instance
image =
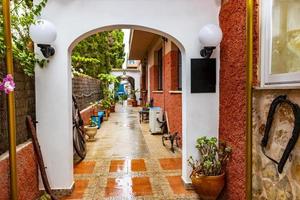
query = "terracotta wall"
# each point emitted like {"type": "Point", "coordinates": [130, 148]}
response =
{"type": "Point", "coordinates": [233, 90]}
{"type": "Point", "coordinates": [166, 99]}
{"type": "Point", "coordinates": [27, 172]}
{"type": "Point", "coordinates": [233, 94]}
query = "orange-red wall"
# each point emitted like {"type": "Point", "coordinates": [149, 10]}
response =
{"type": "Point", "coordinates": [166, 99]}
{"type": "Point", "coordinates": [233, 92]}
{"type": "Point", "coordinates": [27, 172]}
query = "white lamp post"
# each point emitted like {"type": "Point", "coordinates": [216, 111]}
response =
{"type": "Point", "coordinates": [210, 37]}
{"type": "Point", "coordinates": [43, 33]}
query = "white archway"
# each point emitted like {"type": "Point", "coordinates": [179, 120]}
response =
{"type": "Point", "coordinates": [177, 20]}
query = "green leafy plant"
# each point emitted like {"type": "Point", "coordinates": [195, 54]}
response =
{"type": "Point", "coordinates": [213, 158]}
{"type": "Point", "coordinates": [23, 14]}
{"type": "Point", "coordinates": [99, 53]}
{"type": "Point", "coordinates": [105, 103]}
{"type": "Point", "coordinates": [92, 123]}
{"type": "Point", "coordinates": [134, 92]}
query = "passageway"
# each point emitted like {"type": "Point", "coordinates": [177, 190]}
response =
{"type": "Point", "coordinates": [127, 162]}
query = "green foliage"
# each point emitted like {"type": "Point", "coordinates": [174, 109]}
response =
{"type": "Point", "coordinates": [213, 159]}
{"type": "Point", "coordinates": [99, 53]}
{"type": "Point", "coordinates": [23, 14]}
{"type": "Point", "coordinates": [92, 123]}
{"type": "Point", "coordinates": [134, 92]}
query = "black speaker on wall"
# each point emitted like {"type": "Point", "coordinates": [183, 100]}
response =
{"type": "Point", "coordinates": [203, 75]}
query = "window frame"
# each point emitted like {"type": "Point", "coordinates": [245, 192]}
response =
{"type": "Point", "coordinates": [160, 64]}
{"type": "Point", "coordinates": [268, 79]}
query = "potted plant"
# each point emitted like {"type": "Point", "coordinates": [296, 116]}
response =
{"type": "Point", "coordinates": [94, 108]}
{"type": "Point", "coordinates": [134, 101]}
{"type": "Point", "coordinates": [208, 173]}
{"type": "Point", "coordinates": [146, 107]}
{"type": "Point", "coordinates": [106, 106]}
{"type": "Point", "coordinates": [91, 130]}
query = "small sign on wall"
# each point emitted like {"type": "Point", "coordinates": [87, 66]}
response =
{"type": "Point", "coordinates": [203, 75]}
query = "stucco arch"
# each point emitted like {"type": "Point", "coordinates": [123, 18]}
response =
{"type": "Point", "coordinates": [177, 20]}
{"type": "Point", "coordinates": [126, 26]}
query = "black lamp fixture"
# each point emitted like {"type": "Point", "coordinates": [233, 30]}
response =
{"type": "Point", "coordinates": [43, 33]}
{"type": "Point", "coordinates": [210, 37]}
{"type": "Point", "coordinates": [46, 50]}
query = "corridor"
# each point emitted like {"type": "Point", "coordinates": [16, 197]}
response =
{"type": "Point", "coordinates": [127, 162]}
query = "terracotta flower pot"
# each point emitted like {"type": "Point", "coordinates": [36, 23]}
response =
{"type": "Point", "coordinates": [134, 103]}
{"type": "Point", "coordinates": [112, 108]}
{"type": "Point", "coordinates": [208, 187]}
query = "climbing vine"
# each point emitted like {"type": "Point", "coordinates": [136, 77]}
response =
{"type": "Point", "coordinates": [23, 14]}
{"type": "Point", "coordinates": [99, 53]}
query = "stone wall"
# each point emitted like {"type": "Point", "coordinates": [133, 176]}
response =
{"type": "Point", "coordinates": [267, 182]}
{"type": "Point", "coordinates": [25, 105]}
{"type": "Point", "coordinates": [86, 90]}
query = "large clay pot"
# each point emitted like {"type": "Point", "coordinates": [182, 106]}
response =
{"type": "Point", "coordinates": [208, 187]}
{"type": "Point", "coordinates": [112, 108]}
{"type": "Point", "coordinates": [90, 131]}
{"type": "Point", "coordinates": [134, 103]}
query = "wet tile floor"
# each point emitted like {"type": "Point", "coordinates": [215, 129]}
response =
{"type": "Point", "coordinates": [127, 162]}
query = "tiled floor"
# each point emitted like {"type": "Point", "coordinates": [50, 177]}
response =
{"type": "Point", "coordinates": [127, 162]}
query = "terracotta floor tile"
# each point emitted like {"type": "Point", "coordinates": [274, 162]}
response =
{"type": "Point", "coordinates": [80, 187]}
{"type": "Point", "coordinates": [84, 167]}
{"type": "Point", "coordinates": [117, 166]}
{"type": "Point", "coordinates": [127, 186]}
{"type": "Point", "coordinates": [170, 163]}
{"type": "Point", "coordinates": [141, 186]}
{"type": "Point", "coordinates": [112, 188]}
{"type": "Point", "coordinates": [138, 165]}
{"type": "Point", "coordinates": [176, 185]}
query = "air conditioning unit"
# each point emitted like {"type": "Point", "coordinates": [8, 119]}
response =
{"type": "Point", "coordinates": [154, 114]}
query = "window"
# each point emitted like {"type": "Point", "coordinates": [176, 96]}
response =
{"type": "Point", "coordinates": [160, 69]}
{"type": "Point", "coordinates": [179, 70]}
{"type": "Point", "coordinates": [280, 42]}
{"type": "Point", "coordinates": [131, 62]}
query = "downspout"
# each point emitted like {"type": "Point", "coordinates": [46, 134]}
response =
{"type": "Point", "coordinates": [11, 101]}
{"type": "Point", "coordinates": [250, 10]}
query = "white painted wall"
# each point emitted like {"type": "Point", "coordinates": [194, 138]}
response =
{"type": "Point", "coordinates": [137, 80]}
{"type": "Point", "coordinates": [179, 20]}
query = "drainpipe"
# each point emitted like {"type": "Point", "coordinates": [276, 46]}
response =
{"type": "Point", "coordinates": [11, 102]}
{"type": "Point", "coordinates": [250, 10]}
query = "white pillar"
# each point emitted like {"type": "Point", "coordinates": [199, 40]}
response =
{"type": "Point", "coordinates": [53, 111]}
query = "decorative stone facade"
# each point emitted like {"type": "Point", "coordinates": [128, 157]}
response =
{"type": "Point", "coordinates": [267, 182]}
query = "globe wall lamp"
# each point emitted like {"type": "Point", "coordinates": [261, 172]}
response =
{"type": "Point", "coordinates": [43, 33]}
{"type": "Point", "coordinates": [210, 37]}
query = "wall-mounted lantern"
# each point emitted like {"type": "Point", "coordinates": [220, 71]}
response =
{"type": "Point", "coordinates": [210, 37]}
{"type": "Point", "coordinates": [43, 33]}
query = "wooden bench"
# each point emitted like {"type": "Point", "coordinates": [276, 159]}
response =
{"type": "Point", "coordinates": [167, 135]}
